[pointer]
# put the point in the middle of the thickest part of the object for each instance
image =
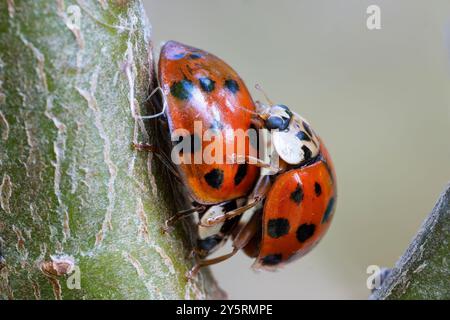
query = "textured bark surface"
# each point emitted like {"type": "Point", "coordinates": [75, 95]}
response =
{"type": "Point", "coordinates": [75, 199]}
{"type": "Point", "coordinates": [423, 272]}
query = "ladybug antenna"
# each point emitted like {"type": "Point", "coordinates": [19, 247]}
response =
{"type": "Point", "coordinates": [259, 88]}
{"type": "Point", "coordinates": [248, 110]}
{"type": "Point", "coordinates": [164, 105]}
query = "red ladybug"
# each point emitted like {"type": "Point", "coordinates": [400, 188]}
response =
{"type": "Point", "coordinates": [290, 193]}
{"type": "Point", "coordinates": [295, 199]}
{"type": "Point", "coordinates": [198, 86]}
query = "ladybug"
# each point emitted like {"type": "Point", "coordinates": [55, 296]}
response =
{"type": "Point", "coordinates": [295, 199]}
{"type": "Point", "coordinates": [288, 195]}
{"type": "Point", "coordinates": [297, 211]}
{"type": "Point", "coordinates": [198, 88]}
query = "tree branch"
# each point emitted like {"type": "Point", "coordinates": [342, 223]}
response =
{"type": "Point", "coordinates": [76, 200]}
{"type": "Point", "coordinates": [423, 272]}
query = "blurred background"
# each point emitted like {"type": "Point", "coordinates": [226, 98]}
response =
{"type": "Point", "coordinates": [379, 98]}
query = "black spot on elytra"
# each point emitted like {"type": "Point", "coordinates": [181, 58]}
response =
{"type": "Point", "coordinates": [231, 85]}
{"type": "Point", "coordinates": [328, 210]}
{"type": "Point", "coordinates": [297, 195]}
{"type": "Point", "coordinates": [195, 55]}
{"type": "Point", "coordinates": [182, 89]}
{"type": "Point", "coordinates": [306, 153]}
{"type": "Point", "coordinates": [302, 136]}
{"type": "Point", "coordinates": [272, 259]}
{"type": "Point", "coordinates": [317, 189]}
{"type": "Point", "coordinates": [206, 84]}
{"type": "Point", "coordinates": [305, 231]}
{"type": "Point", "coordinates": [240, 174]}
{"type": "Point", "coordinates": [214, 178]}
{"type": "Point", "coordinates": [278, 227]}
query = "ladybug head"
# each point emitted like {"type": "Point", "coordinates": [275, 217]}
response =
{"type": "Point", "coordinates": [293, 139]}
{"type": "Point", "coordinates": [275, 116]}
{"type": "Point", "coordinates": [278, 117]}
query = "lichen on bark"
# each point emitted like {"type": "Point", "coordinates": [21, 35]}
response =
{"type": "Point", "coordinates": [75, 199]}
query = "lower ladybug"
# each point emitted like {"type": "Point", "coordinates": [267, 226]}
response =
{"type": "Point", "coordinates": [199, 89]}
{"type": "Point", "coordinates": [289, 193]}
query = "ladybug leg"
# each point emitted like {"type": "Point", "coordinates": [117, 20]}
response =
{"type": "Point", "coordinates": [230, 214]}
{"type": "Point", "coordinates": [139, 125]}
{"type": "Point", "coordinates": [194, 253]}
{"type": "Point", "coordinates": [144, 147]}
{"type": "Point", "coordinates": [254, 161]}
{"type": "Point", "coordinates": [191, 274]}
{"type": "Point", "coordinates": [259, 193]}
{"type": "Point", "coordinates": [260, 163]}
{"type": "Point", "coordinates": [168, 226]}
{"type": "Point", "coordinates": [244, 233]}
{"type": "Point", "coordinates": [147, 147]}
{"type": "Point", "coordinates": [258, 121]}
{"type": "Point", "coordinates": [137, 115]}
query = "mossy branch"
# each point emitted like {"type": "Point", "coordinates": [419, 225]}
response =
{"type": "Point", "coordinates": [75, 199]}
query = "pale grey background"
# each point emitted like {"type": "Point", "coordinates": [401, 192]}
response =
{"type": "Point", "coordinates": [379, 99]}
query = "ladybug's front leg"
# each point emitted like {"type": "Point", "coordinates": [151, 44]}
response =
{"type": "Point", "coordinates": [230, 214]}
{"type": "Point", "coordinates": [256, 162]}
{"type": "Point", "coordinates": [168, 226]}
{"type": "Point", "coordinates": [144, 147]}
{"type": "Point", "coordinates": [204, 263]}
{"type": "Point", "coordinates": [259, 193]}
{"type": "Point", "coordinates": [147, 147]}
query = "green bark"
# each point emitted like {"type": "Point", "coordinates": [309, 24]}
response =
{"type": "Point", "coordinates": [75, 198]}
{"type": "Point", "coordinates": [423, 272]}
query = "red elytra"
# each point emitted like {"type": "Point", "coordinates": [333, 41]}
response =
{"type": "Point", "coordinates": [199, 86]}
{"type": "Point", "coordinates": [297, 212]}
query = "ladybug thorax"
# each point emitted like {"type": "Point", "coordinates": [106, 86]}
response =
{"type": "Point", "coordinates": [292, 138]}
